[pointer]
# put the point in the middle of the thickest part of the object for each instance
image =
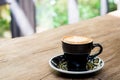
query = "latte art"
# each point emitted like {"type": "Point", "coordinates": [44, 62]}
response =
{"type": "Point", "coordinates": [76, 40]}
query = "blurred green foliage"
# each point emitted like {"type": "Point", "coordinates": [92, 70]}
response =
{"type": "Point", "coordinates": [4, 19]}
{"type": "Point", "coordinates": [112, 5]}
{"type": "Point", "coordinates": [87, 9]}
{"type": "Point", "coordinates": [60, 13]}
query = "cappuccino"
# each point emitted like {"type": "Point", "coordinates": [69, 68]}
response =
{"type": "Point", "coordinates": [77, 50]}
{"type": "Point", "coordinates": [76, 40]}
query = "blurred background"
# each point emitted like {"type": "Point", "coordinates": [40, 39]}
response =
{"type": "Point", "coordinates": [25, 17]}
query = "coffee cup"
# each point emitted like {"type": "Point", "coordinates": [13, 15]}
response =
{"type": "Point", "coordinates": [77, 50]}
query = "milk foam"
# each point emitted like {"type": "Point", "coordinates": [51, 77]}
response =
{"type": "Point", "coordinates": [76, 40]}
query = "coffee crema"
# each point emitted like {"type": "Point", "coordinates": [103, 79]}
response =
{"type": "Point", "coordinates": [76, 40]}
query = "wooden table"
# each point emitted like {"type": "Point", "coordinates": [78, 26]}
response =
{"type": "Point", "coordinates": [26, 58]}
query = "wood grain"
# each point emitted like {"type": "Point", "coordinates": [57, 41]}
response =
{"type": "Point", "coordinates": [26, 58]}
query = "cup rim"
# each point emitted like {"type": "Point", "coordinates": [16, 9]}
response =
{"type": "Point", "coordinates": [91, 40]}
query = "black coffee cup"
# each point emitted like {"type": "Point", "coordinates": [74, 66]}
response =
{"type": "Point", "coordinates": [77, 51]}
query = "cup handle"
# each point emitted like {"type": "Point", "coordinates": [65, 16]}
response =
{"type": "Point", "coordinates": [99, 52]}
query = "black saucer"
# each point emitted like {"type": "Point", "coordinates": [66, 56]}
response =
{"type": "Point", "coordinates": [59, 64]}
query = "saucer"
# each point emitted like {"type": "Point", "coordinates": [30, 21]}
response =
{"type": "Point", "coordinates": [59, 64]}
